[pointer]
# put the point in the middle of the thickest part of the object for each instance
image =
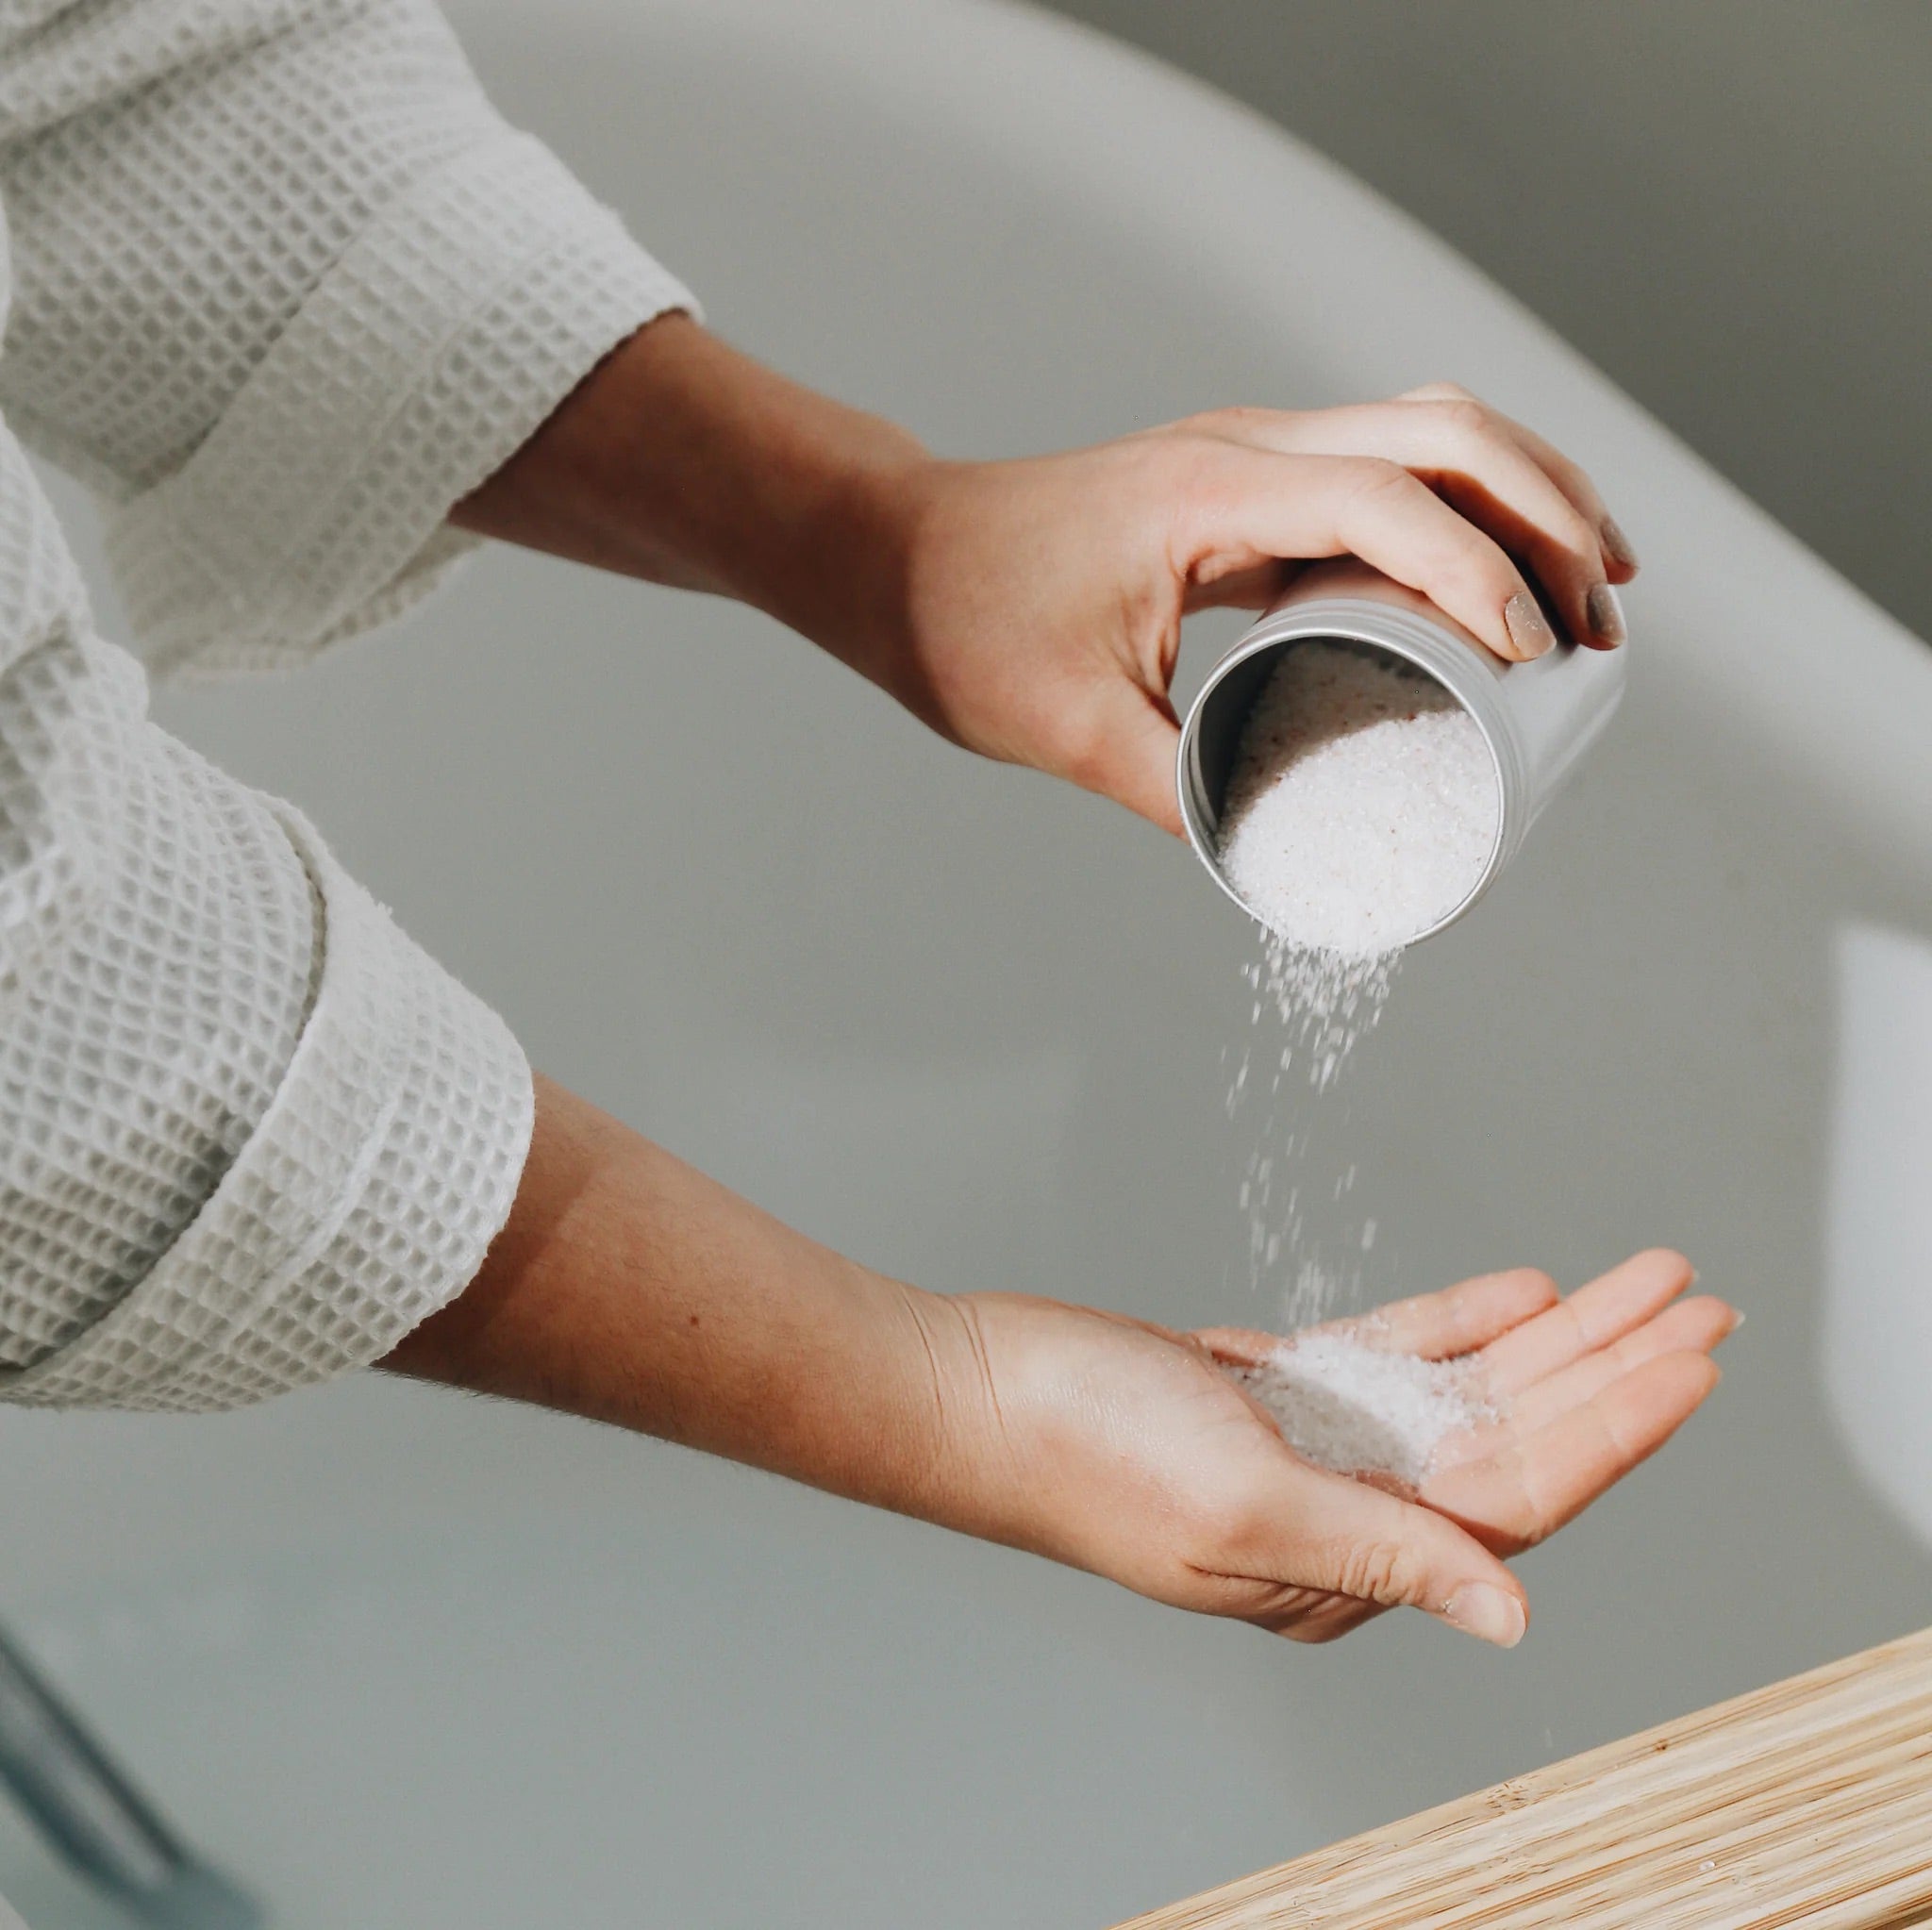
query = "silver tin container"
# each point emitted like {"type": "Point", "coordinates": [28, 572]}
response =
{"type": "Point", "coordinates": [1538, 718]}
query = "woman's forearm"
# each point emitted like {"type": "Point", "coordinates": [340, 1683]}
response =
{"type": "Point", "coordinates": [682, 461]}
{"type": "Point", "coordinates": [627, 1288]}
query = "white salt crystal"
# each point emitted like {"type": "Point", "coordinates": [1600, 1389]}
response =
{"type": "Point", "coordinates": [1362, 807]}
{"type": "Point", "coordinates": [1355, 1410]}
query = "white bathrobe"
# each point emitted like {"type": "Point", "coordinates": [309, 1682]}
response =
{"type": "Point", "coordinates": [282, 288]}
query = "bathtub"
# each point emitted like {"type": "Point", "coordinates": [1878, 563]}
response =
{"type": "Point", "coordinates": [413, 1662]}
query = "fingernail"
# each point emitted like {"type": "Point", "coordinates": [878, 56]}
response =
{"type": "Point", "coordinates": [1736, 1320]}
{"type": "Point", "coordinates": [1616, 543]}
{"type": "Point", "coordinates": [1529, 629]}
{"type": "Point", "coordinates": [1487, 1613]}
{"type": "Point", "coordinates": [1606, 615]}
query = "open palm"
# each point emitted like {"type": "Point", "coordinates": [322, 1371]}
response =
{"type": "Point", "coordinates": [1139, 1460]}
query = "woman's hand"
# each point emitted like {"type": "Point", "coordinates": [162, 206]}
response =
{"type": "Point", "coordinates": [1031, 610]}
{"type": "Point", "coordinates": [1122, 1448]}
{"type": "Point", "coordinates": [1044, 598]}
{"type": "Point", "coordinates": [629, 1289]}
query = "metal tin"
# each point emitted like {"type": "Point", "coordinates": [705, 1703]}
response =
{"type": "Point", "coordinates": [1538, 718]}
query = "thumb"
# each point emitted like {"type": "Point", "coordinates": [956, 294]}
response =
{"type": "Point", "coordinates": [1132, 744]}
{"type": "Point", "coordinates": [1359, 1541]}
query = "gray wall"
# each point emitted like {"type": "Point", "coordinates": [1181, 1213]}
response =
{"type": "Point", "coordinates": [1727, 205]}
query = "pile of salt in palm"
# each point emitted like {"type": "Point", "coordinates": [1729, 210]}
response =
{"type": "Point", "coordinates": [1356, 1409]}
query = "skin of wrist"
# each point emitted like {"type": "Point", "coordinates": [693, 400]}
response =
{"type": "Point", "coordinates": [842, 575]}
{"type": "Point", "coordinates": [968, 1478]}
{"type": "Point", "coordinates": [1010, 1429]}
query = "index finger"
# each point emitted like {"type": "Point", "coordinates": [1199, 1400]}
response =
{"type": "Point", "coordinates": [1249, 504]}
{"type": "Point", "coordinates": [1620, 558]}
{"type": "Point", "coordinates": [1457, 1320]}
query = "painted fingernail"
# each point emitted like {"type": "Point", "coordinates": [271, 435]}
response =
{"type": "Point", "coordinates": [1487, 1613]}
{"type": "Point", "coordinates": [1529, 629]}
{"type": "Point", "coordinates": [1616, 544]}
{"type": "Point", "coordinates": [1606, 615]}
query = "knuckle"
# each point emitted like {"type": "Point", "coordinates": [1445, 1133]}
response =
{"type": "Point", "coordinates": [1205, 491]}
{"type": "Point", "coordinates": [1571, 477]}
{"type": "Point", "coordinates": [1487, 570]}
{"type": "Point", "coordinates": [1437, 391]}
{"type": "Point", "coordinates": [1376, 478]}
{"type": "Point", "coordinates": [1233, 420]}
{"type": "Point", "coordinates": [1464, 563]}
{"type": "Point", "coordinates": [1154, 454]}
{"type": "Point", "coordinates": [1375, 1572]}
{"type": "Point", "coordinates": [1209, 465]}
{"type": "Point", "coordinates": [1576, 534]}
{"type": "Point", "coordinates": [1185, 460]}
{"type": "Point", "coordinates": [1464, 418]}
{"type": "Point", "coordinates": [1181, 431]}
{"type": "Point", "coordinates": [1525, 1525]}
{"type": "Point", "coordinates": [1158, 480]}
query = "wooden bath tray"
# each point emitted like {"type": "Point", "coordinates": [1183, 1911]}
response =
{"type": "Point", "coordinates": [1807, 1804]}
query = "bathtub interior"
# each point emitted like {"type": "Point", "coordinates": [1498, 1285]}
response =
{"type": "Point", "coordinates": [403, 1658]}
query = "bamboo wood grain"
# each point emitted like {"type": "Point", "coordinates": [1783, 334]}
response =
{"type": "Point", "coordinates": [1807, 1804]}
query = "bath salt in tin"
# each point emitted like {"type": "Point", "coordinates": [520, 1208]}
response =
{"type": "Point", "coordinates": [1537, 719]}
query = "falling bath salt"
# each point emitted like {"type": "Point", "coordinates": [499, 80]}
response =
{"type": "Point", "coordinates": [1325, 1002]}
{"type": "Point", "coordinates": [1356, 1410]}
{"type": "Point", "coordinates": [1361, 811]}
{"type": "Point", "coordinates": [1362, 807]}
{"type": "Point", "coordinates": [1313, 1009]}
